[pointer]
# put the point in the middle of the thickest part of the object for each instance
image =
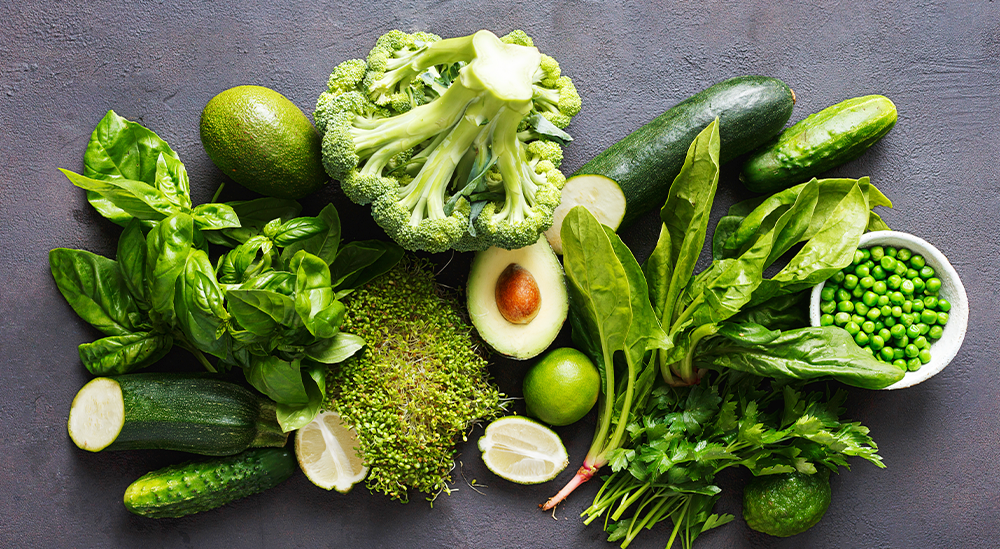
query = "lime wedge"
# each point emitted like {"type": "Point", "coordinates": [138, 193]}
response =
{"type": "Point", "coordinates": [326, 451]}
{"type": "Point", "coordinates": [522, 450]}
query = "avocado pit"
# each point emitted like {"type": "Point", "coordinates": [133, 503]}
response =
{"type": "Point", "coordinates": [517, 295]}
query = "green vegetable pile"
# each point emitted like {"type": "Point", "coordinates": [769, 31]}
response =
{"type": "Point", "coordinates": [419, 384]}
{"type": "Point", "coordinates": [455, 143]}
{"type": "Point", "coordinates": [271, 305]}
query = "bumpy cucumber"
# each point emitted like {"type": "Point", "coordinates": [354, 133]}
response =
{"type": "Point", "coordinates": [188, 412]}
{"type": "Point", "coordinates": [196, 486]}
{"type": "Point", "coordinates": [824, 140]}
{"type": "Point", "coordinates": [751, 110]}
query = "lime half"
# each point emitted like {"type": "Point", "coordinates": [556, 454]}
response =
{"type": "Point", "coordinates": [325, 449]}
{"type": "Point", "coordinates": [522, 450]}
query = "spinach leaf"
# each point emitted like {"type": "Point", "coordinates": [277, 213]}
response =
{"type": "Point", "coordinates": [783, 312]}
{"type": "Point", "coordinates": [335, 349]}
{"type": "Point", "coordinates": [131, 259]}
{"type": "Point", "coordinates": [280, 380]}
{"type": "Point", "coordinates": [168, 245]}
{"type": "Point", "coordinates": [121, 354]}
{"type": "Point", "coordinates": [802, 354]}
{"type": "Point", "coordinates": [198, 303]}
{"type": "Point", "coordinates": [723, 230]}
{"type": "Point", "coordinates": [96, 290]}
{"type": "Point", "coordinates": [122, 149]}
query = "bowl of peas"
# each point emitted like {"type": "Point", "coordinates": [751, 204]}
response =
{"type": "Point", "coordinates": [901, 300]}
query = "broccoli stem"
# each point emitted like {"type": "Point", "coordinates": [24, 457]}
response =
{"type": "Point", "coordinates": [403, 69]}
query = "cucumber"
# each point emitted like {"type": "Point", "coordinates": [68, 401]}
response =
{"type": "Point", "coordinates": [751, 110]}
{"type": "Point", "coordinates": [196, 486]}
{"type": "Point", "coordinates": [599, 194]}
{"type": "Point", "coordinates": [824, 140]}
{"type": "Point", "coordinates": [187, 412]}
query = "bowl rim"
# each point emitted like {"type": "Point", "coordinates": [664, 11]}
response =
{"type": "Point", "coordinates": [958, 316]}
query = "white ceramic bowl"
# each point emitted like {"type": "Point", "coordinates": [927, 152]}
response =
{"type": "Point", "coordinates": [944, 349]}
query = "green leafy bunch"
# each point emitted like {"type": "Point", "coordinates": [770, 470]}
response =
{"type": "Point", "coordinates": [271, 304]}
{"type": "Point", "coordinates": [419, 384]}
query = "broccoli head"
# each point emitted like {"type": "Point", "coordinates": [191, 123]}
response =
{"type": "Point", "coordinates": [455, 143]}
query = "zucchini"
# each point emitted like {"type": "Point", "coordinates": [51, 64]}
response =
{"type": "Point", "coordinates": [187, 412]}
{"type": "Point", "coordinates": [195, 486]}
{"type": "Point", "coordinates": [751, 110]}
{"type": "Point", "coordinates": [599, 194]}
{"type": "Point", "coordinates": [824, 140]}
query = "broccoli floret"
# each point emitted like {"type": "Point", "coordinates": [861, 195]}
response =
{"type": "Point", "coordinates": [434, 136]}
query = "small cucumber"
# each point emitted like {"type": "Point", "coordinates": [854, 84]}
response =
{"type": "Point", "coordinates": [187, 412]}
{"type": "Point", "coordinates": [824, 140]}
{"type": "Point", "coordinates": [751, 110]}
{"type": "Point", "coordinates": [196, 486]}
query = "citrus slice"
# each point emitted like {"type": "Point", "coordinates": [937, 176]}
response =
{"type": "Point", "coordinates": [326, 452]}
{"type": "Point", "coordinates": [522, 450]}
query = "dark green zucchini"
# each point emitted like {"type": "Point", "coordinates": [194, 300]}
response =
{"type": "Point", "coordinates": [751, 110]}
{"type": "Point", "coordinates": [822, 141]}
{"type": "Point", "coordinates": [196, 486]}
{"type": "Point", "coordinates": [187, 412]}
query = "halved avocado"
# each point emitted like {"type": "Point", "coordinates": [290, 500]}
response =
{"type": "Point", "coordinates": [517, 298]}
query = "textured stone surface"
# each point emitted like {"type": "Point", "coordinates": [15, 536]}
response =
{"type": "Point", "coordinates": [64, 64]}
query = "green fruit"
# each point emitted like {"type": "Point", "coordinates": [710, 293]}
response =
{"type": "Point", "coordinates": [786, 504]}
{"type": "Point", "coordinates": [561, 387]}
{"type": "Point", "coordinates": [263, 141]}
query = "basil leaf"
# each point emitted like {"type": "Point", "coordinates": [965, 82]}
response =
{"type": "Point", "coordinates": [171, 179]}
{"type": "Point", "coordinates": [121, 354]}
{"type": "Point", "coordinates": [261, 312]}
{"type": "Point", "coordinates": [95, 288]}
{"type": "Point", "coordinates": [131, 259]}
{"type": "Point", "coordinates": [208, 217]}
{"type": "Point", "coordinates": [198, 302]}
{"type": "Point", "coordinates": [275, 281]}
{"type": "Point", "coordinates": [253, 215]}
{"type": "Point", "coordinates": [122, 149]}
{"type": "Point", "coordinates": [335, 349]}
{"type": "Point", "coordinates": [323, 245]}
{"type": "Point", "coordinates": [803, 354]}
{"type": "Point", "coordinates": [314, 298]}
{"type": "Point", "coordinates": [136, 198]}
{"type": "Point", "coordinates": [280, 380]}
{"type": "Point", "coordinates": [292, 417]}
{"type": "Point", "coordinates": [362, 261]}
{"type": "Point", "coordinates": [298, 229]}
{"type": "Point", "coordinates": [168, 245]}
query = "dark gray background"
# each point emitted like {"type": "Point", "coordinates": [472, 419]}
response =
{"type": "Point", "coordinates": [64, 64]}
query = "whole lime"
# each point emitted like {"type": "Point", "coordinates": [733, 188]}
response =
{"type": "Point", "coordinates": [263, 141]}
{"type": "Point", "coordinates": [786, 504]}
{"type": "Point", "coordinates": [561, 387]}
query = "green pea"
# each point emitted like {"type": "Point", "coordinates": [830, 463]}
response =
{"type": "Point", "coordinates": [878, 273]}
{"type": "Point", "coordinates": [924, 356]}
{"type": "Point", "coordinates": [904, 254]}
{"type": "Point", "coordinates": [827, 293]}
{"type": "Point", "coordinates": [919, 285]}
{"type": "Point", "coordinates": [933, 285]}
{"type": "Point", "coordinates": [924, 328]}
{"type": "Point", "coordinates": [897, 352]}
{"type": "Point", "coordinates": [868, 349]}
{"type": "Point", "coordinates": [866, 282]}
{"type": "Point", "coordinates": [926, 272]}
{"type": "Point", "coordinates": [843, 295]}
{"type": "Point", "coordinates": [897, 298]}
{"type": "Point", "coordinates": [900, 268]}
{"type": "Point", "coordinates": [845, 306]}
{"type": "Point", "coordinates": [879, 287]}
{"type": "Point", "coordinates": [857, 292]}
{"type": "Point", "coordinates": [883, 300]}
{"type": "Point", "coordinates": [885, 334]}
{"type": "Point", "coordinates": [877, 253]}
{"type": "Point", "coordinates": [868, 327]}
{"type": "Point", "coordinates": [912, 273]}
{"type": "Point", "coordinates": [928, 316]}
{"type": "Point", "coordinates": [913, 364]}
{"type": "Point", "coordinates": [826, 320]}
{"type": "Point", "coordinates": [877, 342]}
{"type": "Point", "coordinates": [850, 281]}
{"type": "Point", "coordinates": [852, 328]}
{"type": "Point", "coordinates": [906, 320]}
{"type": "Point", "coordinates": [838, 277]}
{"type": "Point", "coordinates": [885, 310]}
{"type": "Point", "coordinates": [873, 314]}
{"type": "Point", "coordinates": [862, 339]}
{"type": "Point", "coordinates": [897, 311]}
{"type": "Point", "coordinates": [917, 261]}
{"type": "Point", "coordinates": [828, 307]}
{"type": "Point", "coordinates": [930, 302]}
{"type": "Point", "coordinates": [861, 308]}
{"type": "Point", "coordinates": [862, 271]}
{"type": "Point", "coordinates": [901, 364]}
{"type": "Point", "coordinates": [935, 332]}
{"type": "Point", "coordinates": [841, 319]}
{"type": "Point", "coordinates": [865, 255]}
{"type": "Point", "coordinates": [898, 331]}
{"type": "Point", "coordinates": [886, 354]}
{"type": "Point", "coordinates": [870, 298]}
{"type": "Point", "coordinates": [917, 305]}
{"type": "Point", "coordinates": [921, 342]}
{"type": "Point", "coordinates": [894, 281]}
{"type": "Point", "coordinates": [912, 331]}
{"type": "Point", "coordinates": [943, 305]}
{"type": "Point", "coordinates": [857, 319]}
{"type": "Point", "coordinates": [890, 321]}
{"type": "Point", "coordinates": [879, 325]}
{"type": "Point", "coordinates": [888, 263]}
{"type": "Point", "coordinates": [891, 251]}
{"type": "Point", "coordinates": [907, 307]}
{"type": "Point", "coordinates": [859, 257]}
{"type": "Point", "coordinates": [906, 287]}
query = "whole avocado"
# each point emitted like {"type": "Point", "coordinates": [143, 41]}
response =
{"type": "Point", "coordinates": [263, 141]}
